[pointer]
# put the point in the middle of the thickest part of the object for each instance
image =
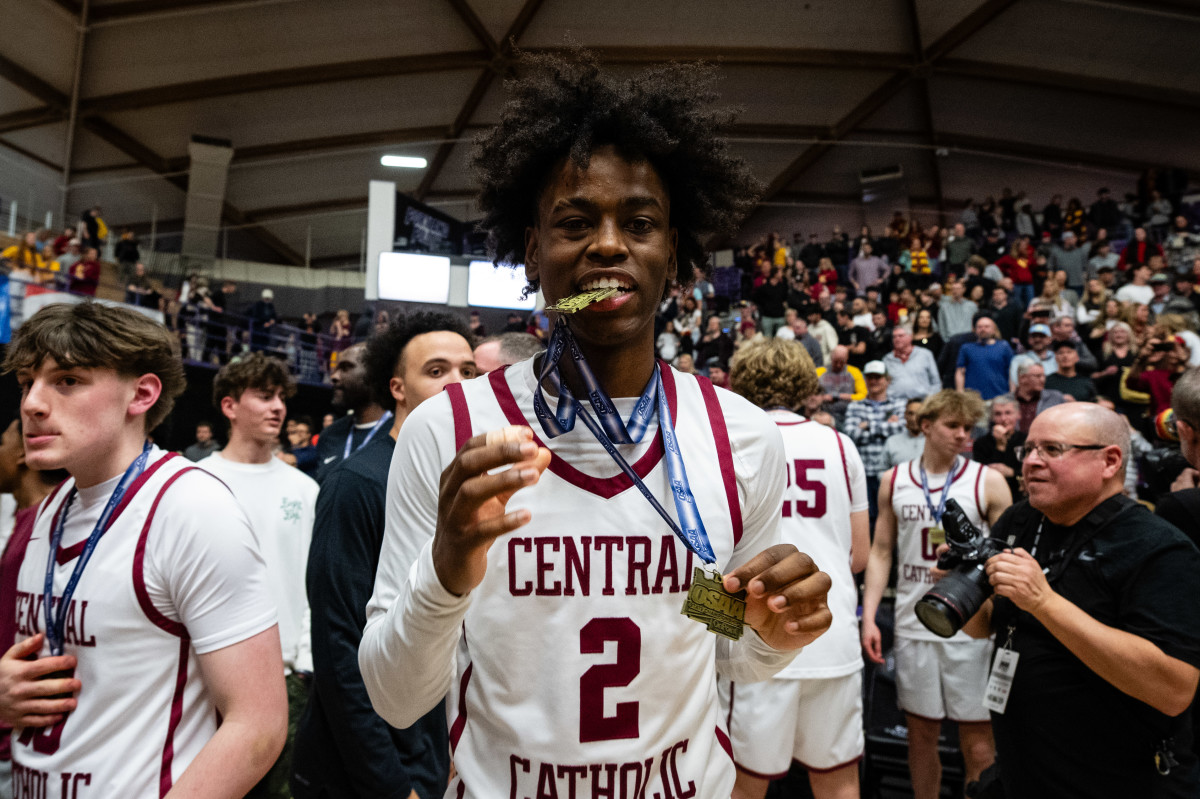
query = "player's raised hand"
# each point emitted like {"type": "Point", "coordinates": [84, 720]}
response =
{"type": "Point", "coordinates": [28, 696]}
{"type": "Point", "coordinates": [786, 596]}
{"type": "Point", "coordinates": [472, 502]}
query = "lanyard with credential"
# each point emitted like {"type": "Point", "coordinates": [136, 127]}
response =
{"type": "Point", "coordinates": [55, 622]}
{"type": "Point", "coordinates": [610, 430]}
{"type": "Point", "coordinates": [387, 416]}
{"type": "Point", "coordinates": [941, 506]}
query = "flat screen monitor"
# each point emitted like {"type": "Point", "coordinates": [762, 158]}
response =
{"type": "Point", "coordinates": [491, 286]}
{"type": "Point", "coordinates": [408, 277]}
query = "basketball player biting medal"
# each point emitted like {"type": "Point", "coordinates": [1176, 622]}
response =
{"type": "Point", "coordinates": [546, 523]}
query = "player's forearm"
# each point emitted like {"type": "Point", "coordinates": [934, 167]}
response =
{"type": "Point", "coordinates": [1128, 662]}
{"type": "Point", "coordinates": [407, 654]}
{"type": "Point", "coordinates": [234, 759]}
{"type": "Point", "coordinates": [750, 659]}
{"type": "Point", "coordinates": [879, 565]}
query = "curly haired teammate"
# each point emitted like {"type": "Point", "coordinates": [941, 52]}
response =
{"type": "Point", "coordinates": [812, 710]}
{"type": "Point", "coordinates": [545, 598]}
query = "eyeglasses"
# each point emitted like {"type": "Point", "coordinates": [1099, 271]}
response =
{"type": "Point", "coordinates": [1051, 450]}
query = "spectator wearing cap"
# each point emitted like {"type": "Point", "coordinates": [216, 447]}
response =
{"type": "Point", "coordinates": [1039, 352]}
{"type": "Point", "coordinates": [1063, 329]}
{"type": "Point", "coordinates": [718, 372]}
{"type": "Point", "coordinates": [1070, 261]}
{"type": "Point", "coordinates": [1066, 377]}
{"type": "Point", "coordinates": [983, 363]}
{"type": "Point", "coordinates": [1185, 289]}
{"type": "Point", "coordinates": [1102, 255]}
{"type": "Point", "coordinates": [1032, 395]}
{"type": "Point", "coordinates": [1138, 290]}
{"type": "Point", "coordinates": [912, 370]}
{"type": "Point", "coordinates": [262, 318]}
{"type": "Point", "coordinates": [820, 328]}
{"type": "Point", "coordinates": [870, 422]}
{"type": "Point", "coordinates": [1160, 284]}
{"type": "Point", "coordinates": [1138, 251]}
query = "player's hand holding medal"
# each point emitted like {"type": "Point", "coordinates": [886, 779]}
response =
{"type": "Point", "coordinates": [779, 593]}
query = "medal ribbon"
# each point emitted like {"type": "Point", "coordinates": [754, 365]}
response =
{"type": "Point", "coordinates": [941, 507]}
{"type": "Point", "coordinates": [55, 622]}
{"type": "Point", "coordinates": [387, 415]}
{"type": "Point", "coordinates": [610, 431]}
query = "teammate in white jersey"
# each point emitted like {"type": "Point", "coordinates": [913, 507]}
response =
{"type": "Point", "coordinates": [280, 501]}
{"type": "Point", "coordinates": [811, 711]}
{"type": "Point", "coordinates": [546, 597]}
{"type": "Point", "coordinates": [936, 678]}
{"type": "Point", "coordinates": [159, 608]}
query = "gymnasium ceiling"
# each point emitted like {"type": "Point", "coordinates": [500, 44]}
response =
{"type": "Point", "coordinates": [965, 95]}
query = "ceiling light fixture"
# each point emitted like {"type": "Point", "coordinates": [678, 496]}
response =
{"type": "Point", "coordinates": [404, 161]}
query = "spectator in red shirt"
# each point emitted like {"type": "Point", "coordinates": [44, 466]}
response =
{"type": "Point", "coordinates": [1139, 251]}
{"type": "Point", "coordinates": [1160, 362]}
{"type": "Point", "coordinates": [1018, 266]}
{"type": "Point", "coordinates": [85, 274]}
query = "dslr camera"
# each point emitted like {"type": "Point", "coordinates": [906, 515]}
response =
{"type": "Point", "coordinates": [957, 597]}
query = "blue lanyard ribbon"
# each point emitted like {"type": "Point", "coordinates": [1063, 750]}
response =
{"type": "Point", "coordinates": [610, 431]}
{"type": "Point", "coordinates": [941, 507]}
{"type": "Point", "coordinates": [387, 416]}
{"type": "Point", "coordinates": [55, 622]}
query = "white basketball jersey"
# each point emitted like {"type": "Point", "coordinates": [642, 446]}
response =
{"type": "Point", "coordinates": [916, 554]}
{"type": "Point", "coordinates": [577, 674]}
{"type": "Point", "coordinates": [826, 481]}
{"type": "Point", "coordinates": [143, 712]}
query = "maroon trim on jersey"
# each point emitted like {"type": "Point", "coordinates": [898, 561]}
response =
{"type": "Point", "coordinates": [139, 556]}
{"type": "Point", "coordinates": [723, 740]}
{"type": "Point", "coordinates": [758, 775]}
{"type": "Point", "coordinates": [606, 487]}
{"type": "Point", "coordinates": [978, 504]}
{"type": "Point", "coordinates": [462, 789]}
{"type": "Point", "coordinates": [816, 770]}
{"type": "Point", "coordinates": [462, 414]}
{"type": "Point", "coordinates": [168, 754]}
{"type": "Point", "coordinates": [68, 554]}
{"type": "Point", "coordinates": [729, 715]}
{"type": "Point", "coordinates": [845, 466]}
{"type": "Point", "coordinates": [456, 729]}
{"type": "Point", "coordinates": [716, 420]}
{"type": "Point", "coordinates": [917, 480]}
{"type": "Point", "coordinates": [892, 484]}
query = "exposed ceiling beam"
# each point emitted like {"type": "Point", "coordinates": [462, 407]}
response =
{"type": "Point", "coordinates": [747, 56]}
{"type": "Point", "coordinates": [475, 24]}
{"type": "Point", "coordinates": [156, 163]}
{"type": "Point", "coordinates": [301, 209]}
{"type": "Point", "coordinates": [31, 156]}
{"type": "Point", "coordinates": [113, 12]}
{"type": "Point", "coordinates": [282, 79]}
{"type": "Point", "coordinates": [17, 75]}
{"type": "Point", "coordinates": [30, 118]}
{"type": "Point", "coordinates": [830, 198]}
{"type": "Point", "coordinates": [1084, 84]}
{"type": "Point", "coordinates": [499, 65]}
{"type": "Point", "coordinates": [968, 26]}
{"type": "Point", "coordinates": [1185, 11]}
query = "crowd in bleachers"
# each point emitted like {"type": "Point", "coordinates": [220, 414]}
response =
{"type": "Point", "coordinates": [1116, 281]}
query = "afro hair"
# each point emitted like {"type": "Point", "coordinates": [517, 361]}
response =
{"type": "Point", "coordinates": [565, 106]}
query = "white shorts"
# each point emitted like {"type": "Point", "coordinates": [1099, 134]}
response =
{"type": "Point", "coordinates": [937, 680]}
{"type": "Point", "coordinates": [817, 722]}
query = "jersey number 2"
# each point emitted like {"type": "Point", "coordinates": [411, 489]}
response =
{"type": "Point", "coordinates": [593, 724]}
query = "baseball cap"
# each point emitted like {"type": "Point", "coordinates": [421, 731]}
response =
{"type": "Point", "coordinates": [1068, 235]}
{"type": "Point", "coordinates": [267, 294]}
{"type": "Point", "coordinates": [1035, 330]}
{"type": "Point", "coordinates": [1105, 268]}
{"type": "Point", "coordinates": [875, 368]}
{"type": "Point", "coordinates": [1159, 278]}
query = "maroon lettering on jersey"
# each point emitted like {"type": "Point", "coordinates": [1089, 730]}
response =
{"type": "Point", "coordinates": [28, 618]}
{"type": "Point", "coordinates": [534, 779]}
{"type": "Point", "coordinates": [579, 565]}
{"type": "Point", "coordinates": [28, 783]}
{"type": "Point", "coordinates": [638, 565]}
{"type": "Point", "coordinates": [562, 566]}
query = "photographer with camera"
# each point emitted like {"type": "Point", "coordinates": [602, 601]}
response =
{"type": "Point", "coordinates": [935, 678]}
{"type": "Point", "coordinates": [1182, 506]}
{"type": "Point", "coordinates": [1096, 622]}
{"type": "Point", "coordinates": [1151, 377]}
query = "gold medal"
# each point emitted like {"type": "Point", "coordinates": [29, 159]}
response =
{"type": "Point", "coordinates": [937, 536]}
{"type": "Point", "coordinates": [710, 604]}
{"type": "Point", "coordinates": [577, 302]}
